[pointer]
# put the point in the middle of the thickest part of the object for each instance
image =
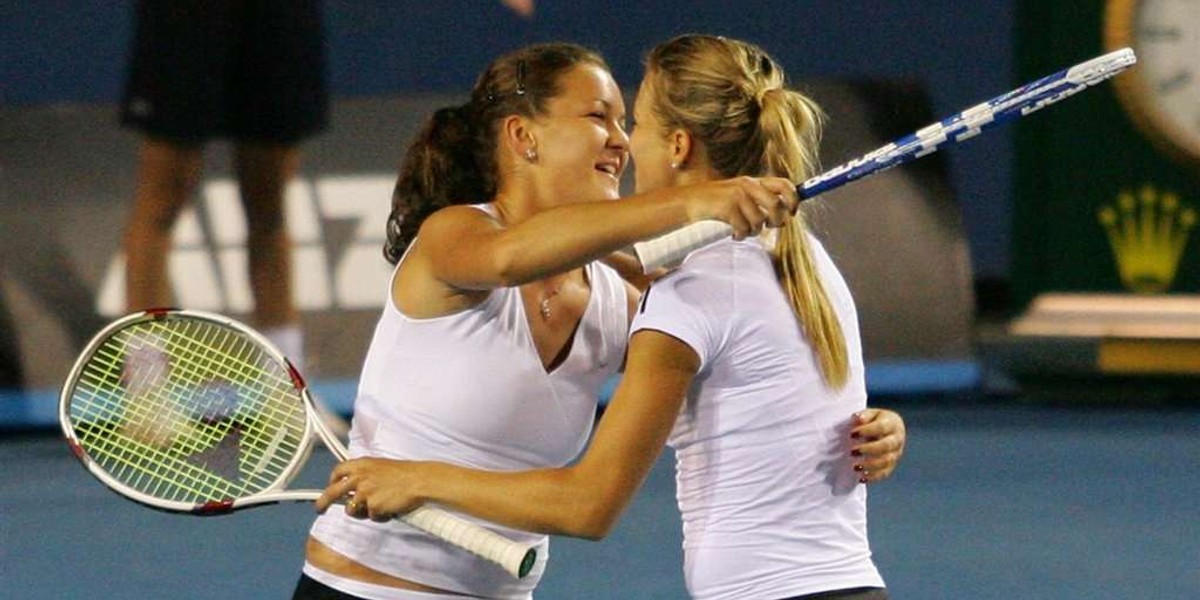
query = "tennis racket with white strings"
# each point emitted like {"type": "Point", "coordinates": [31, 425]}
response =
{"type": "Point", "coordinates": [193, 412]}
{"type": "Point", "coordinates": [670, 249]}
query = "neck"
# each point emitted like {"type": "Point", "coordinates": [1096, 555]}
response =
{"type": "Point", "coordinates": [695, 172]}
{"type": "Point", "coordinates": [514, 207]}
{"type": "Point", "coordinates": [522, 196]}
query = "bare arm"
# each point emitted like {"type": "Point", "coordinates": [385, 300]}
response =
{"type": "Point", "coordinates": [630, 269]}
{"type": "Point", "coordinates": [466, 250]}
{"type": "Point", "coordinates": [582, 500]}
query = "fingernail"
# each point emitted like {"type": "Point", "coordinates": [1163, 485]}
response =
{"type": "Point", "coordinates": [862, 480]}
{"type": "Point", "coordinates": [856, 453]}
{"type": "Point", "coordinates": [858, 468]}
{"type": "Point", "coordinates": [855, 435]}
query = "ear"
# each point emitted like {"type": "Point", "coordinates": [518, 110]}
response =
{"type": "Point", "coordinates": [682, 147]}
{"type": "Point", "coordinates": [516, 133]}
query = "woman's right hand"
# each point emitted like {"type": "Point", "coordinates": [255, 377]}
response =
{"type": "Point", "coordinates": [373, 488]}
{"type": "Point", "coordinates": [747, 204]}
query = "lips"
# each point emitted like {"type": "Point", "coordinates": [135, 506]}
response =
{"type": "Point", "coordinates": [610, 167]}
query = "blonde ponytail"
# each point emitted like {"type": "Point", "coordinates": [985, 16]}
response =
{"type": "Point", "coordinates": [791, 125]}
{"type": "Point", "coordinates": [732, 97]}
{"type": "Point", "coordinates": [797, 274]}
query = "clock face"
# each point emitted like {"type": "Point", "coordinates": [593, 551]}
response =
{"type": "Point", "coordinates": [1163, 91]}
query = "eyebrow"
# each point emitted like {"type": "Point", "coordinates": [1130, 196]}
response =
{"type": "Point", "coordinates": [609, 105]}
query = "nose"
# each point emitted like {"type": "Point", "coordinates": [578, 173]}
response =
{"type": "Point", "coordinates": [617, 137]}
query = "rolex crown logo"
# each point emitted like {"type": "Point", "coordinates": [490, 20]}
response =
{"type": "Point", "coordinates": [1148, 233]}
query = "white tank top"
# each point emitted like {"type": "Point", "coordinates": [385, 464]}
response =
{"type": "Point", "coordinates": [470, 389]}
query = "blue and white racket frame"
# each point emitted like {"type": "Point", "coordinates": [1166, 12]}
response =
{"type": "Point", "coordinates": [670, 249]}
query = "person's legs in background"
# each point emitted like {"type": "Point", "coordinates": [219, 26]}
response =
{"type": "Point", "coordinates": [167, 177]}
{"type": "Point", "coordinates": [264, 171]}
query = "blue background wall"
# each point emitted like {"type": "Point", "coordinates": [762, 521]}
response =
{"type": "Point", "coordinates": [74, 51]}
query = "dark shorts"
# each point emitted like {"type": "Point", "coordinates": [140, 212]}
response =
{"type": "Point", "coordinates": [848, 594]}
{"type": "Point", "coordinates": [311, 589]}
{"type": "Point", "coordinates": [240, 69]}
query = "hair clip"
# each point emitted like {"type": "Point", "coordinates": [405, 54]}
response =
{"type": "Point", "coordinates": [492, 95]}
{"type": "Point", "coordinates": [521, 78]}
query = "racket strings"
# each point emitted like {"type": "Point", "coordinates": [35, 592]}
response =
{"type": "Point", "coordinates": [188, 410]}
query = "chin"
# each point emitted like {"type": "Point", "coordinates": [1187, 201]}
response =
{"type": "Point", "coordinates": [609, 191]}
{"type": "Point", "coordinates": [642, 188]}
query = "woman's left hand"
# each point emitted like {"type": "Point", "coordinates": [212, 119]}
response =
{"type": "Point", "coordinates": [877, 443]}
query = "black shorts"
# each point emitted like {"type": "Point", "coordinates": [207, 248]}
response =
{"type": "Point", "coordinates": [308, 588]}
{"type": "Point", "coordinates": [847, 594]}
{"type": "Point", "coordinates": [240, 69]}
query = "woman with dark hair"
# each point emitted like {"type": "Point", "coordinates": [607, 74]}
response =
{"type": "Point", "coordinates": [500, 328]}
{"type": "Point", "coordinates": [746, 360]}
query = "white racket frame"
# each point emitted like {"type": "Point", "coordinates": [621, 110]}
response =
{"type": "Point", "coordinates": [515, 558]}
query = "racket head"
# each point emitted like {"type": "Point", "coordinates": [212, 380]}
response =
{"type": "Point", "coordinates": [187, 411]}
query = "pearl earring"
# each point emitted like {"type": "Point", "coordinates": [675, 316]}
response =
{"type": "Point", "coordinates": [675, 165]}
{"type": "Point", "coordinates": [531, 155]}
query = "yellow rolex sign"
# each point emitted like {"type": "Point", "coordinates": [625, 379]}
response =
{"type": "Point", "coordinates": [1106, 254]}
{"type": "Point", "coordinates": [1100, 204]}
{"type": "Point", "coordinates": [1148, 232]}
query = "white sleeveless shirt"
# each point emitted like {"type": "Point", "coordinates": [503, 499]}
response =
{"type": "Point", "coordinates": [469, 388]}
{"type": "Point", "coordinates": [770, 502]}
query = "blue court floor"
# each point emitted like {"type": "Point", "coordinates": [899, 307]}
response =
{"type": "Point", "coordinates": [995, 500]}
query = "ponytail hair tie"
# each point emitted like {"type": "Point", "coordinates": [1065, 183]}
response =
{"type": "Point", "coordinates": [761, 95]}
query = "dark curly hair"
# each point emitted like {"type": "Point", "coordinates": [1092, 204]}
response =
{"type": "Point", "coordinates": [453, 158]}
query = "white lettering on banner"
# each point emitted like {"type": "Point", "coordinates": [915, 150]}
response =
{"type": "Point", "coordinates": [208, 262]}
{"type": "Point", "coordinates": [356, 199]}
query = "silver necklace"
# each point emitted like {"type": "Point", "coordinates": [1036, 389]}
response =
{"type": "Point", "coordinates": [544, 305]}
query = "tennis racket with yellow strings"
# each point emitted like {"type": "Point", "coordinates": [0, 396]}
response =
{"type": "Point", "coordinates": [196, 413]}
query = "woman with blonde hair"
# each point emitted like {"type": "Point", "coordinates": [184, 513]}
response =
{"type": "Point", "coordinates": [746, 360]}
{"type": "Point", "coordinates": [500, 327]}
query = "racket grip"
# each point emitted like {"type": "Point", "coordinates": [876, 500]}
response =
{"type": "Point", "coordinates": [669, 250]}
{"type": "Point", "coordinates": [517, 559]}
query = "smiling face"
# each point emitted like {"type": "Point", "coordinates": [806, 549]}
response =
{"type": "Point", "coordinates": [580, 139]}
{"type": "Point", "coordinates": [649, 145]}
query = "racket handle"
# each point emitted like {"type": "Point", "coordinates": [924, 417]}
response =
{"type": "Point", "coordinates": [517, 559]}
{"type": "Point", "coordinates": [669, 250]}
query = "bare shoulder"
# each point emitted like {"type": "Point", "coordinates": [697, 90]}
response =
{"type": "Point", "coordinates": [453, 222]}
{"type": "Point", "coordinates": [454, 249]}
